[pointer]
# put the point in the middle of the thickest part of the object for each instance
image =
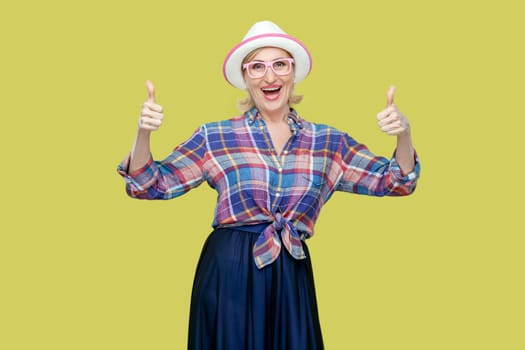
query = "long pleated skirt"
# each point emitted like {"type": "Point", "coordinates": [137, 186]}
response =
{"type": "Point", "coordinates": [236, 306]}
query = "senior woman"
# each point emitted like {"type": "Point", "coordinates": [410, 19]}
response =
{"type": "Point", "coordinates": [273, 171]}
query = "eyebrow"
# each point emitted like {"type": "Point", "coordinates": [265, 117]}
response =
{"type": "Point", "coordinates": [275, 59]}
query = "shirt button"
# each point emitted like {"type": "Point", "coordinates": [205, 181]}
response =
{"type": "Point", "coordinates": [280, 170]}
{"type": "Point", "coordinates": [277, 194]}
{"type": "Point", "coordinates": [285, 152]}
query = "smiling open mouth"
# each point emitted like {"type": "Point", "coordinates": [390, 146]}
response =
{"type": "Point", "coordinates": [271, 91]}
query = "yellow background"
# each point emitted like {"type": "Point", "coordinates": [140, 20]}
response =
{"type": "Point", "coordinates": [82, 266]}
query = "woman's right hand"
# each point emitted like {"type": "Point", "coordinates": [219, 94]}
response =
{"type": "Point", "coordinates": [151, 114]}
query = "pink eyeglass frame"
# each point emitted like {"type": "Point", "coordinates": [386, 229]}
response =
{"type": "Point", "coordinates": [266, 66]}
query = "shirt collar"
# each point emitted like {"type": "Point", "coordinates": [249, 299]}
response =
{"type": "Point", "coordinates": [294, 120]}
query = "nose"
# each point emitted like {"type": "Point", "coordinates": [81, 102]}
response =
{"type": "Point", "coordinates": [270, 74]}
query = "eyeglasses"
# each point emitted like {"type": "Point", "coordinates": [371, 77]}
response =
{"type": "Point", "coordinates": [258, 69]}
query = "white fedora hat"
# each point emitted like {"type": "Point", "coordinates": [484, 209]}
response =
{"type": "Point", "coordinates": [265, 34]}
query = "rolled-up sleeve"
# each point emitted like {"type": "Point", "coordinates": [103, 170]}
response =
{"type": "Point", "coordinates": [365, 173]}
{"type": "Point", "coordinates": [181, 171]}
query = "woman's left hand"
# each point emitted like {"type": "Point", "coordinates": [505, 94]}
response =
{"type": "Point", "coordinates": [390, 120]}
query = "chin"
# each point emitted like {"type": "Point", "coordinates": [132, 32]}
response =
{"type": "Point", "coordinates": [274, 106]}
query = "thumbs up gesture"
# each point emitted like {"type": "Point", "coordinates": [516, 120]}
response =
{"type": "Point", "coordinates": [151, 114]}
{"type": "Point", "coordinates": [390, 120]}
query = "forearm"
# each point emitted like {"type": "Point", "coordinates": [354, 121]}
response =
{"type": "Point", "coordinates": [405, 152]}
{"type": "Point", "coordinates": [140, 153]}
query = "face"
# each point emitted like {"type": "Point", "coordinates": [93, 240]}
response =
{"type": "Point", "coordinates": [271, 92]}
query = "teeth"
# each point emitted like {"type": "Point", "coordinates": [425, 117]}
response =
{"type": "Point", "coordinates": [271, 89]}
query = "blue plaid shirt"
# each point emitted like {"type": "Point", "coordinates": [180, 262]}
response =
{"type": "Point", "coordinates": [256, 185]}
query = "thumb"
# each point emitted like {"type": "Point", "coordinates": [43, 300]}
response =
{"type": "Point", "coordinates": [390, 96]}
{"type": "Point", "coordinates": [151, 91]}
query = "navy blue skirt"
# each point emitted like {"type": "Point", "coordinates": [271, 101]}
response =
{"type": "Point", "coordinates": [236, 306]}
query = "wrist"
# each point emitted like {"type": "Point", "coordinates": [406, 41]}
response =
{"type": "Point", "coordinates": [143, 132]}
{"type": "Point", "coordinates": [404, 134]}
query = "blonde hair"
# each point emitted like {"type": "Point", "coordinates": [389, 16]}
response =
{"type": "Point", "coordinates": [248, 103]}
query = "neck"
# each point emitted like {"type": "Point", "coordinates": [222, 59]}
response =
{"type": "Point", "coordinates": [275, 117]}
